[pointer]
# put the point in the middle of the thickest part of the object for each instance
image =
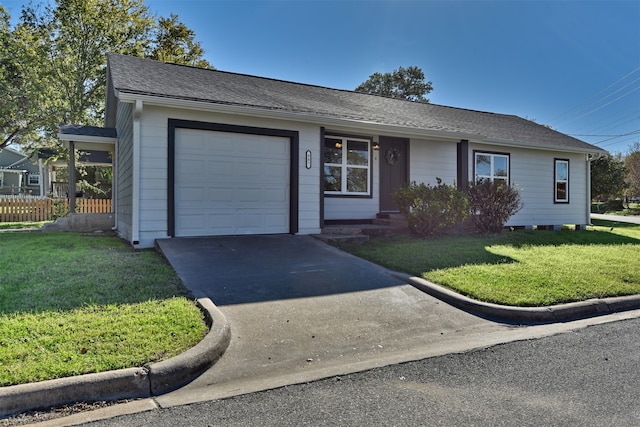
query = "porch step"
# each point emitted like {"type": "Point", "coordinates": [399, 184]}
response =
{"type": "Point", "coordinates": [360, 233]}
{"type": "Point", "coordinates": [389, 215]}
{"type": "Point", "coordinates": [394, 220]}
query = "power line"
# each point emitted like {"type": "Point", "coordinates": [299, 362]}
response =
{"type": "Point", "coordinates": [580, 105]}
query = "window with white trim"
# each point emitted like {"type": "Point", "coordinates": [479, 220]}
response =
{"type": "Point", "coordinates": [492, 166]}
{"type": "Point", "coordinates": [561, 180]}
{"type": "Point", "coordinates": [347, 166]}
{"type": "Point", "coordinates": [33, 179]}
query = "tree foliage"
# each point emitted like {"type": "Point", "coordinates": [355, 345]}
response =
{"type": "Point", "coordinates": [26, 97]}
{"type": "Point", "coordinates": [175, 42]}
{"type": "Point", "coordinates": [404, 83]}
{"type": "Point", "coordinates": [54, 61]}
{"type": "Point", "coordinates": [607, 177]}
{"type": "Point", "coordinates": [632, 163]}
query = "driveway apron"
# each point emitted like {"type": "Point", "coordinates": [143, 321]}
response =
{"type": "Point", "coordinates": [301, 310]}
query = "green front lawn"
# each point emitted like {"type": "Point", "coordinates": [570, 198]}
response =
{"type": "Point", "coordinates": [72, 304]}
{"type": "Point", "coordinates": [522, 268]}
{"type": "Point", "coordinates": [21, 225]}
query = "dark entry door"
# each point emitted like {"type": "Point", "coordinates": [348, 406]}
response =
{"type": "Point", "coordinates": [393, 169]}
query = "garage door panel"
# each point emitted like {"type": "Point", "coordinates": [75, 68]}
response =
{"type": "Point", "coordinates": [243, 187]}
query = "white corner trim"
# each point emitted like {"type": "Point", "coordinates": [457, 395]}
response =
{"type": "Point", "coordinates": [135, 208]}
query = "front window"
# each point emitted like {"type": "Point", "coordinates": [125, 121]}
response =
{"type": "Point", "coordinates": [347, 166]}
{"type": "Point", "coordinates": [561, 171]}
{"type": "Point", "coordinates": [492, 166]}
{"type": "Point", "coordinates": [1, 179]}
{"type": "Point", "coordinates": [33, 179]}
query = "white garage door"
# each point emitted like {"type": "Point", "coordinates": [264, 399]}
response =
{"type": "Point", "coordinates": [230, 183]}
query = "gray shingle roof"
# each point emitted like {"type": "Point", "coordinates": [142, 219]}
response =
{"type": "Point", "coordinates": [81, 130]}
{"type": "Point", "coordinates": [134, 75]}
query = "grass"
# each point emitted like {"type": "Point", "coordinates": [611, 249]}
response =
{"type": "Point", "coordinates": [522, 268]}
{"type": "Point", "coordinates": [72, 304]}
{"type": "Point", "coordinates": [20, 225]}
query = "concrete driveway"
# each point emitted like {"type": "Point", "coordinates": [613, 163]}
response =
{"type": "Point", "coordinates": [301, 310]}
{"type": "Point", "coordinates": [249, 269]}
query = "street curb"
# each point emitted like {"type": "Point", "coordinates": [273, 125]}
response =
{"type": "Point", "coordinates": [549, 314]}
{"type": "Point", "coordinates": [130, 383]}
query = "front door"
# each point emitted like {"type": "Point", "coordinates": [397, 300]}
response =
{"type": "Point", "coordinates": [393, 169]}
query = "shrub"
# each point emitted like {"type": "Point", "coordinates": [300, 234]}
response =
{"type": "Point", "coordinates": [492, 204]}
{"type": "Point", "coordinates": [60, 209]}
{"type": "Point", "coordinates": [431, 209]}
{"type": "Point", "coordinates": [615, 205]}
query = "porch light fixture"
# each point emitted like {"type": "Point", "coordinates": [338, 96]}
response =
{"type": "Point", "coordinates": [376, 146]}
{"type": "Point", "coordinates": [338, 144]}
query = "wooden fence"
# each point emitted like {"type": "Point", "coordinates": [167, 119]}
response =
{"type": "Point", "coordinates": [26, 209]}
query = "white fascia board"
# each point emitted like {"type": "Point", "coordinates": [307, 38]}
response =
{"type": "Point", "coordinates": [289, 115]}
{"type": "Point", "coordinates": [540, 147]}
{"type": "Point", "coordinates": [65, 137]}
{"type": "Point", "coordinates": [19, 171]}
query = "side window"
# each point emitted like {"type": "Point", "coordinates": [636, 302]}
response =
{"type": "Point", "coordinates": [33, 179]}
{"type": "Point", "coordinates": [561, 181]}
{"type": "Point", "coordinates": [492, 166]}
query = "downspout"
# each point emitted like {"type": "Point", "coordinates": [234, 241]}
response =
{"type": "Point", "coordinates": [135, 202]}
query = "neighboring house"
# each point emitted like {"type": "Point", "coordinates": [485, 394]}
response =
{"type": "Point", "coordinates": [201, 152]}
{"type": "Point", "coordinates": [20, 174]}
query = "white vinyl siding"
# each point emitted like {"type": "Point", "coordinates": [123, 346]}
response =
{"type": "Point", "coordinates": [124, 178]}
{"type": "Point", "coordinates": [431, 159]}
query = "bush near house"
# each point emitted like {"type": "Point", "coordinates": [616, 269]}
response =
{"type": "Point", "coordinates": [431, 209]}
{"type": "Point", "coordinates": [492, 203]}
{"type": "Point", "coordinates": [442, 208]}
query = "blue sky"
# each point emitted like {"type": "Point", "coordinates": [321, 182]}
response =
{"type": "Point", "coordinates": [574, 65]}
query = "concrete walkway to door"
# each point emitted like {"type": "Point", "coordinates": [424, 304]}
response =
{"type": "Point", "coordinates": [301, 310]}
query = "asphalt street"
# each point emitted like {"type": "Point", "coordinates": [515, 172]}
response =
{"type": "Point", "coordinates": [586, 376]}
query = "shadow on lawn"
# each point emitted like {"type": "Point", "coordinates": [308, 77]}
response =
{"type": "Point", "coordinates": [416, 256]}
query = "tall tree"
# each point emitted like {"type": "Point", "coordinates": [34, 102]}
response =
{"type": "Point", "coordinates": [26, 96]}
{"type": "Point", "coordinates": [632, 162]}
{"type": "Point", "coordinates": [607, 177]}
{"type": "Point", "coordinates": [78, 35]}
{"type": "Point", "coordinates": [175, 42]}
{"type": "Point", "coordinates": [404, 83]}
{"type": "Point", "coordinates": [54, 61]}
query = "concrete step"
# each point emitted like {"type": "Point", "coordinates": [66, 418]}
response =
{"type": "Point", "coordinates": [390, 215]}
{"type": "Point", "coordinates": [342, 238]}
{"type": "Point", "coordinates": [392, 222]}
